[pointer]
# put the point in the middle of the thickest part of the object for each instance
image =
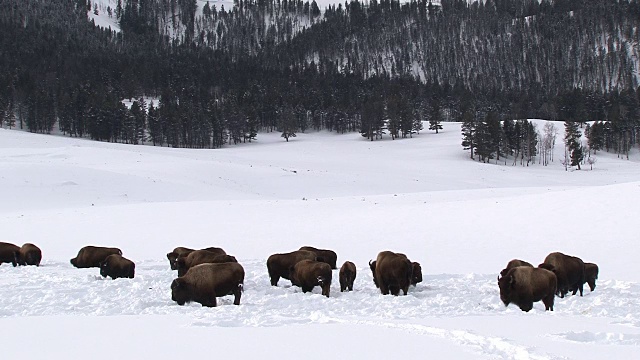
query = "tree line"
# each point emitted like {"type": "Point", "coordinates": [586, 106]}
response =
{"type": "Point", "coordinates": [382, 69]}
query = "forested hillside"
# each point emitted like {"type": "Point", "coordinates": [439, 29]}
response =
{"type": "Point", "coordinates": [381, 68]}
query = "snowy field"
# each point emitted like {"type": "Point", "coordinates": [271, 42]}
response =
{"type": "Point", "coordinates": [462, 220]}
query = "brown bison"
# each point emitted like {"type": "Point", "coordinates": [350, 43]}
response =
{"type": "Point", "coordinates": [513, 263]}
{"type": "Point", "coordinates": [568, 269]}
{"type": "Point", "coordinates": [416, 276]}
{"type": "Point", "coordinates": [591, 275]}
{"type": "Point", "coordinates": [201, 257]}
{"type": "Point", "coordinates": [392, 272]}
{"type": "Point", "coordinates": [92, 256]}
{"type": "Point", "coordinates": [326, 256]}
{"type": "Point", "coordinates": [205, 282]}
{"type": "Point", "coordinates": [279, 265]}
{"type": "Point", "coordinates": [117, 266]}
{"type": "Point", "coordinates": [173, 256]}
{"type": "Point", "coordinates": [8, 253]}
{"type": "Point", "coordinates": [184, 251]}
{"type": "Point", "coordinates": [525, 285]}
{"type": "Point", "coordinates": [347, 276]}
{"type": "Point", "coordinates": [310, 273]}
{"type": "Point", "coordinates": [29, 254]}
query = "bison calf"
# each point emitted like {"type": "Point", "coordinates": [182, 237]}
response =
{"type": "Point", "coordinates": [525, 285]}
{"type": "Point", "coordinates": [310, 273]}
{"type": "Point", "coordinates": [347, 276]}
{"type": "Point", "coordinates": [323, 255]}
{"type": "Point", "coordinates": [8, 253]}
{"type": "Point", "coordinates": [205, 282]}
{"type": "Point", "coordinates": [117, 266]}
{"type": "Point", "coordinates": [279, 265]}
{"type": "Point", "coordinates": [513, 263]}
{"type": "Point", "coordinates": [92, 256]}
{"type": "Point", "coordinates": [29, 254]}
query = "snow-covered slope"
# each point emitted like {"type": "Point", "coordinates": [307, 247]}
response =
{"type": "Point", "coordinates": [462, 220]}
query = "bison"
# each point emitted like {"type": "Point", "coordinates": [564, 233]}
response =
{"type": "Point", "coordinates": [279, 265]}
{"type": "Point", "coordinates": [416, 276]}
{"type": "Point", "coordinates": [591, 275]}
{"type": "Point", "coordinates": [513, 263]}
{"type": "Point", "coordinates": [569, 271]}
{"type": "Point", "coordinates": [8, 253]}
{"type": "Point", "coordinates": [201, 257]}
{"type": "Point", "coordinates": [29, 254]}
{"type": "Point", "coordinates": [117, 266]}
{"type": "Point", "coordinates": [310, 273]}
{"type": "Point", "coordinates": [392, 272]}
{"type": "Point", "coordinates": [173, 256]}
{"type": "Point", "coordinates": [347, 276]}
{"type": "Point", "coordinates": [326, 256]}
{"type": "Point", "coordinates": [524, 285]}
{"type": "Point", "coordinates": [92, 256]}
{"type": "Point", "coordinates": [205, 282]}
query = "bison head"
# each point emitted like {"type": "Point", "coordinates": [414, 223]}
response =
{"type": "Point", "coordinates": [506, 284]}
{"type": "Point", "coordinates": [179, 292]}
{"type": "Point", "coordinates": [417, 273]}
{"type": "Point", "coordinates": [372, 266]}
{"type": "Point", "coordinates": [104, 268]}
{"type": "Point", "coordinates": [181, 265]}
{"type": "Point", "coordinates": [172, 256]}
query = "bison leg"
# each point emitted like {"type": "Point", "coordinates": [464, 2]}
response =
{"type": "Point", "coordinates": [383, 288]}
{"type": "Point", "coordinates": [395, 290]}
{"type": "Point", "coordinates": [274, 280]}
{"type": "Point", "coordinates": [237, 293]}
{"type": "Point", "coordinates": [592, 284]}
{"type": "Point", "coordinates": [326, 289]}
{"type": "Point", "coordinates": [405, 289]}
{"type": "Point", "coordinates": [548, 302]}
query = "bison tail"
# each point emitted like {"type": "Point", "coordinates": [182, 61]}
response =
{"type": "Point", "coordinates": [241, 287]}
{"type": "Point", "coordinates": [321, 280]}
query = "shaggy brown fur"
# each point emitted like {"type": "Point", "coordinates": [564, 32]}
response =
{"type": "Point", "coordinates": [8, 253]}
{"type": "Point", "coordinates": [525, 285]}
{"type": "Point", "coordinates": [310, 273]}
{"type": "Point", "coordinates": [29, 254]}
{"type": "Point", "coordinates": [173, 256]}
{"type": "Point", "coordinates": [198, 257]}
{"type": "Point", "coordinates": [416, 276]}
{"type": "Point", "coordinates": [91, 256]}
{"type": "Point", "coordinates": [279, 265]}
{"type": "Point", "coordinates": [326, 256]}
{"type": "Point", "coordinates": [117, 266]}
{"type": "Point", "coordinates": [347, 276]}
{"type": "Point", "coordinates": [568, 269]}
{"type": "Point", "coordinates": [591, 274]}
{"type": "Point", "coordinates": [205, 282]}
{"type": "Point", "coordinates": [393, 272]}
{"type": "Point", "coordinates": [513, 263]}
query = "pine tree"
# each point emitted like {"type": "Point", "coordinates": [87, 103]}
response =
{"type": "Point", "coordinates": [435, 116]}
{"type": "Point", "coordinates": [468, 131]}
{"type": "Point", "coordinates": [288, 123]}
{"type": "Point", "coordinates": [572, 142]}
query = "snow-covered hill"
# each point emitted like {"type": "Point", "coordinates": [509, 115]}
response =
{"type": "Point", "coordinates": [462, 220]}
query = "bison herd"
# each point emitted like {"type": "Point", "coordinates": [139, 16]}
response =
{"type": "Point", "coordinates": [522, 284]}
{"type": "Point", "coordinates": [209, 273]}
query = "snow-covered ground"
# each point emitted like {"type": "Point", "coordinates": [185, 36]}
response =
{"type": "Point", "coordinates": [462, 220]}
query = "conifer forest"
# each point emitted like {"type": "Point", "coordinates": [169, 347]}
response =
{"type": "Point", "coordinates": [382, 68]}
